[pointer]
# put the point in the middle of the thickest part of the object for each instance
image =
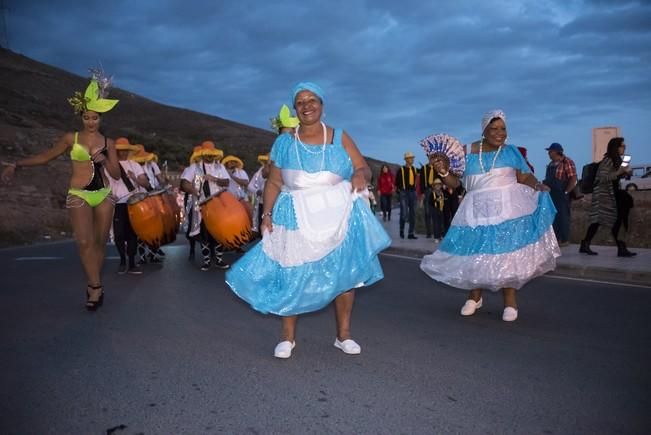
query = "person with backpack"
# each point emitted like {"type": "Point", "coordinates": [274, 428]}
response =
{"type": "Point", "coordinates": [610, 205]}
{"type": "Point", "coordinates": [560, 177]}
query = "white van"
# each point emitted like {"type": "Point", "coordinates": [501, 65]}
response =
{"type": "Point", "coordinates": [640, 178]}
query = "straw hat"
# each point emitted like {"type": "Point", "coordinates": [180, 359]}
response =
{"type": "Point", "coordinates": [409, 155]}
{"type": "Point", "coordinates": [122, 144]}
{"type": "Point", "coordinates": [240, 163]}
{"type": "Point", "coordinates": [196, 154]}
{"type": "Point", "coordinates": [208, 149]}
{"type": "Point", "coordinates": [141, 156]}
{"type": "Point", "coordinates": [263, 158]}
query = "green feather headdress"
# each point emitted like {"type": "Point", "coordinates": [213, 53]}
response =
{"type": "Point", "coordinates": [94, 98]}
{"type": "Point", "coordinates": [284, 119]}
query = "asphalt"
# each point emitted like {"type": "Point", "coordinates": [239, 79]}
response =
{"type": "Point", "coordinates": [173, 351]}
{"type": "Point", "coordinates": [605, 266]}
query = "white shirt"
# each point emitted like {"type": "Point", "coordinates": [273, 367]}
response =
{"type": "Point", "coordinates": [257, 183]}
{"type": "Point", "coordinates": [215, 169]}
{"type": "Point", "coordinates": [234, 187]}
{"type": "Point", "coordinates": [151, 171]}
{"type": "Point", "coordinates": [118, 187]}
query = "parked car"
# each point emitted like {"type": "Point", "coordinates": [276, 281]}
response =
{"type": "Point", "coordinates": [640, 178]}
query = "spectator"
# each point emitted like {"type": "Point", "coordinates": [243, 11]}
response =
{"type": "Point", "coordinates": [560, 177]}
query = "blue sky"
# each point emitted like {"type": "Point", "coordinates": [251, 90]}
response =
{"type": "Point", "coordinates": [393, 71]}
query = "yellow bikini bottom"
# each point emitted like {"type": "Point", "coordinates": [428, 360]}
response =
{"type": "Point", "coordinates": [92, 197]}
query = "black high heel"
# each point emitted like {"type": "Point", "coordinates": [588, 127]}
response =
{"type": "Point", "coordinates": [94, 305]}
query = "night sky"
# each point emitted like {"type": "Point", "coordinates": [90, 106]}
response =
{"type": "Point", "coordinates": [393, 72]}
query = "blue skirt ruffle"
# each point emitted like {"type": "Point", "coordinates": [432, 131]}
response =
{"type": "Point", "coordinates": [271, 288]}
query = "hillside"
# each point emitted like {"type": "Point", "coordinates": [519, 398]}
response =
{"type": "Point", "coordinates": [35, 112]}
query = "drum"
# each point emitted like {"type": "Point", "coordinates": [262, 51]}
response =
{"type": "Point", "coordinates": [151, 219]}
{"type": "Point", "coordinates": [226, 219]}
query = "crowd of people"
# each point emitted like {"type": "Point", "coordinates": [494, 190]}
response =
{"type": "Point", "coordinates": [497, 226]}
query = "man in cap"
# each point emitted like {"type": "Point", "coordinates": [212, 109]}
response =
{"type": "Point", "coordinates": [560, 176]}
{"type": "Point", "coordinates": [406, 187]}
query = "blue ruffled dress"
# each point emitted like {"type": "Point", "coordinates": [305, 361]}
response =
{"type": "Point", "coordinates": [501, 235]}
{"type": "Point", "coordinates": [325, 239]}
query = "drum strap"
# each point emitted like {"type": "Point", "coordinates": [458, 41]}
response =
{"type": "Point", "coordinates": [125, 179]}
{"type": "Point", "coordinates": [205, 187]}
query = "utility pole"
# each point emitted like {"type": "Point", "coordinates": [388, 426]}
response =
{"type": "Point", "coordinates": [4, 36]}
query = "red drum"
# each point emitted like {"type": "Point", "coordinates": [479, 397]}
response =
{"type": "Point", "coordinates": [226, 219]}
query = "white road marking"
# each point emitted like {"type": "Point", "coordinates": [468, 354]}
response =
{"type": "Point", "coordinates": [569, 278]}
{"type": "Point", "coordinates": [37, 258]}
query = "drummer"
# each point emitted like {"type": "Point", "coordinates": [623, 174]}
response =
{"type": "Point", "coordinates": [239, 179]}
{"type": "Point", "coordinates": [132, 180]}
{"type": "Point", "coordinates": [192, 218]}
{"type": "Point", "coordinates": [211, 177]}
{"type": "Point", "coordinates": [143, 158]}
{"type": "Point", "coordinates": [256, 188]}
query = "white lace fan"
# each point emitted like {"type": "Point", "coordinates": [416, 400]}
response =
{"type": "Point", "coordinates": [450, 147]}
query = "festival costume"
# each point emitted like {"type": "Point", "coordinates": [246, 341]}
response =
{"type": "Point", "coordinates": [94, 193]}
{"type": "Point", "coordinates": [324, 242]}
{"type": "Point", "coordinates": [501, 235]}
{"type": "Point", "coordinates": [93, 99]}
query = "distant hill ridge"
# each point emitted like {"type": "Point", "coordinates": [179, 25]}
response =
{"type": "Point", "coordinates": [35, 113]}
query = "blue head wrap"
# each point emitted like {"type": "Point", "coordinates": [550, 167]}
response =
{"type": "Point", "coordinates": [308, 86]}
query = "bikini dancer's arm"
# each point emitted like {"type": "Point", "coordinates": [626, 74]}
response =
{"type": "Point", "coordinates": [43, 158]}
{"type": "Point", "coordinates": [270, 194]}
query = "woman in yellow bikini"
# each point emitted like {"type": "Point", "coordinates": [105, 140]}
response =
{"type": "Point", "coordinates": [89, 201]}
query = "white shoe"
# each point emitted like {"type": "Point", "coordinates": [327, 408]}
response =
{"type": "Point", "coordinates": [510, 314]}
{"type": "Point", "coordinates": [471, 306]}
{"type": "Point", "coordinates": [348, 346]}
{"type": "Point", "coordinates": [284, 349]}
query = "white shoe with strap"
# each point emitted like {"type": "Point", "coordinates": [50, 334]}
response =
{"type": "Point", "coordinates": [284, 349]}
{"type": "Point", "coordinates": [471, 306]}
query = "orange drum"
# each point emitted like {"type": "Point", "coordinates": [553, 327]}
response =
{"type": "Point", "coordinates": [170, 198]}
{"type": "Point", "coordinates": [166, 214]}
{"type": "Point", "coordinates": [226, 219]}
{"type": "Point", "coordinates": [151, 219]}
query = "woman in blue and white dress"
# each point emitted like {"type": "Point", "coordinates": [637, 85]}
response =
{"type": "Point", "coordinates": [320, 239]}
{"type": "Point", "coordinates": [502, 235]}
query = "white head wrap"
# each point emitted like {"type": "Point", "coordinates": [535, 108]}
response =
{"type": "Point", "coordinates": [489, 116]}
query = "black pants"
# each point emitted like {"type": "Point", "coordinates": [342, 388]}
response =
{"type": "Point", "coordinates": [126, 240]}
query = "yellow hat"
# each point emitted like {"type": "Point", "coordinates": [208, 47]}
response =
{"type": "Point", "coordinates": [208, 149]}
{"type": "Point", "coordinates": [409, 155]}
{"type": "Point", "coordinates": [141, 156]}
{"type": "Point", "coordinates": [240, 163]}
{"type": "Point", "coordinates": [196, 154]}
{"type": "Point", "coordinates": [263, 158]}
{"type": "Point", "coordinates": [122, 143]}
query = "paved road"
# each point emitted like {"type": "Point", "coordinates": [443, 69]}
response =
{"type": "Point", "coordinates": [173, 351]}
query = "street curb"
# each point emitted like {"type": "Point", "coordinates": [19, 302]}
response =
{"type": "Point", "coordinates": [565, 270]}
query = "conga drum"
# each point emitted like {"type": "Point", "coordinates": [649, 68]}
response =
{"type": "Point", "coordinates": [159, 198]}
{"type": "Point", "coordinates": [145, 218]}
{"type": "Point", "coordinates": [226, 219]}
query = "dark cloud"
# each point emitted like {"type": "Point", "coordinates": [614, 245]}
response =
{"type": "Point", "coordinates": [394, 71]}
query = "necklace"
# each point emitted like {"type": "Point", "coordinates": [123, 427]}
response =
{"type": "Point", "coordinates": [297, 139]}
{"type": "Point", "coordinates": [481, 160]}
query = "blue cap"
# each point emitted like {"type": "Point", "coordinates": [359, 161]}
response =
{"type": "Point", "coordinates": [555, 147]}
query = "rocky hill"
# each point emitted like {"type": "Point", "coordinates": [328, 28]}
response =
{"type": "Point", "coordinates": [35, 112]}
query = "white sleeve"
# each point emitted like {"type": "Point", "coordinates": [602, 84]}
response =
{"type": "Point", "coordinates": [136, 168]}
{"type": "Point", "coordinates": [221, 172]}
{"type": "Point", "coordinates": [241, 173]}
{"type": "Point", "coordinates": [155, 169]}
{"type": "Point", "coordinates": [188, 173]}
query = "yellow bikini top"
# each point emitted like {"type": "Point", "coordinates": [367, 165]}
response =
{"type": "Point", "coordinates": [78, 152]}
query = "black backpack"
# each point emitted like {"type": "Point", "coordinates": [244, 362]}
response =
{"type": "Point", "coordinates": [588, 175]}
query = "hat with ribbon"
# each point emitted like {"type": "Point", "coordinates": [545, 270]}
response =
{"type": "Point", "coordinates": [263, 158]}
